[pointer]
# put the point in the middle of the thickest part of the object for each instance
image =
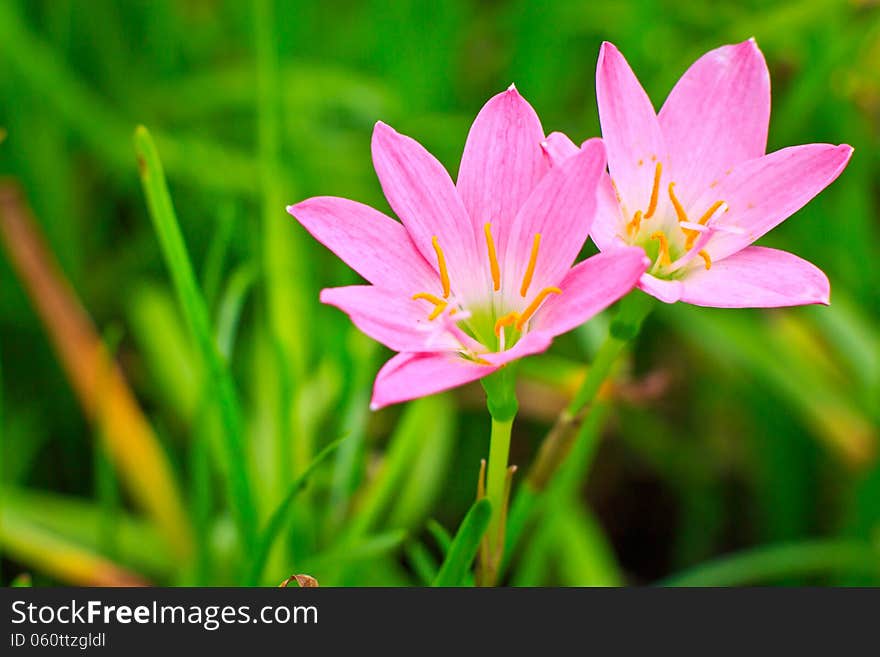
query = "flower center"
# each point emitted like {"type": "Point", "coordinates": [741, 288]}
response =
{"type": "Point", "coordinates": [495, 321]}
{"type": "Point", "coordinates": [664, 246]}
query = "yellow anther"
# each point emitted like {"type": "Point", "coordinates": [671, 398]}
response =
{"type": "Point", "coordinates": [693, 234]}
{"type": "Point", "coordinates": [507, 320]}
{"type": "Point", "coordinates": [530, 270]}
{"type": "Point", "coordinates": [439, 304]}
{"type": "Point", "coordinates": [664, 247]}
{"type": "Point", "coordinates": [705, 256]}
{"type": "Point", "coordinates": [655, 191]}
{"type": "Point", "coordinates": [493, 257]}
{"type": "Point", "coordinates": [441, 263]}
{"type": "Point", "coordinates": [632, 228]}
{"type": "Point", "coordinates": [679, 210]}
{"type": "Point", "coordinates": [712, 209]}
{"type": "Point", "coordinates": [534, 305]}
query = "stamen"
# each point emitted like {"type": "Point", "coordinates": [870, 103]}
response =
{"type": "Point", "coordinates": [632, 228]}
{"type": "Point", "coordinates": [441, 263]}
{"type": "Point", "coordinates": [493, 257]}
{"type": "Point", "coordinates": [534, 305]}
{"type": "Point", "coordinates": [705, 218]}
{"type": "Point", "coordinates": [693, 234]}
{"type": "Point", "coordinates": [439, 304]}
{"type": "Point", "coordinates": [655, 191]}
{"type": "Point", "coordinates": [530, 270]}
{"type": "Point", "coordinates": [705, 256]}
{"type": "Point", "coordinates": [507, 320]}
{"type": "Point", "coordinates": [664, 247]}
{"type": "Point", "coordinates": [679, 210]}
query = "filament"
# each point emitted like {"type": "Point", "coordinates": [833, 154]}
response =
{"type": "Point", "coordinates": [706, 258]}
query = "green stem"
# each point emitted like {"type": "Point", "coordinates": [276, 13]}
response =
{"type": "Point", "coordinates": [624, 328]}
{"type": "Point", "coordinates": [599, 370]}
{"type": "Point", "coordinates": [502, 404]}
{"type": "Point", "coordinates": [496, 473]}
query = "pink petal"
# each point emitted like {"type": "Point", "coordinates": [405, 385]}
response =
{"type": "Point", "coordinates": [764, 192]}
{"type": "Point", "coordinates": [389, 317]}
{"type": "Point", "coordinates": [533, 342]}
{"type": "Point", "coordinates": [422, 194]}
{"type": "Point", "coordinates": [630, 130]}
{"type": "Point", "coordinates": [757, 277]}
{"type": "Point", "coordinates": [716, 116]}
{"type": "Point", "coordinates": [590, 287]}
{"type": "Point", "coordinates": [608, 226]}
{"type": "Point", "coordinates": [374, 245]}
{"type": "Point", "coordinates": [501, 164]}
{"type": "Point", "coordinates": [666, 291]}
{"type": "Point", "coordinates": [558, 147]}
{"type": "Point", "coordinates": [413, 375]}
{"type": "Point", "coordinates": [561, 209]}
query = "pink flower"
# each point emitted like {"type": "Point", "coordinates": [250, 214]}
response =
{"type": "Point", "coordinates": [478, 273]}
{"type": "Point", "coordinates": [693, 187]}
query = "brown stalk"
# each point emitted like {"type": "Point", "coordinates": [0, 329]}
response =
{"type": "Point", "coordinates": [99, 384]}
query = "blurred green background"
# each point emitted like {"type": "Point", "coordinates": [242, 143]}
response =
{"type": "Point", "coordinates": [735, 447]}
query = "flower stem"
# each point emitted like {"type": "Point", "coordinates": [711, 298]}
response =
{"type": "Point", "coordinates": [502, 404]}
{"type": "Point", "coordinates": [496, 474]}
{"type": "Point", "coordinates": [624, 327]}
{"type": "Point", "coordinates": [569, 426]}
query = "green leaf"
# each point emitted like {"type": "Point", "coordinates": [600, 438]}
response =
{"type": "Point", "coordinates": [465, 545]}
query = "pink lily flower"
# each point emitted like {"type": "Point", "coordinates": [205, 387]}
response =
{"type": "Point", "coordinates": [693, 187]}
{"type": "Point", "coordinates": [478, 273]}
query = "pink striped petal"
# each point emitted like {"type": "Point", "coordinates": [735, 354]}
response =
{"type": "Point", "coordinates": [630, 130]}
{"type": "Point", "coordinates": [501, 164]}
{"type": "Point", "coordinates": [423, 195]}
{"type": "Point", "coordinates": [374, 245]}
{"type": "Point", "coordinates": [394, 319]}
{"type": "Point", "coordinates": [764, 192]}
{"type": "Point", "coordinates": [561, 209]}
{"type": "Point", "coordinates": [609, 226]}
{"type": "Point", "coordinates": [757, 277]}
{"type": "Point", "coordinates": [590, 287]}
{"type": "Point", "coordinates": [716, 116]}
{"type": "Point", "coordinates": [558, 147]}
{"type": "Point", "coordinates": [412, 375]}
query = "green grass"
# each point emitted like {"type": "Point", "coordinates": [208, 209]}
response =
{"type": "Point", "coordinates": [735, 447]}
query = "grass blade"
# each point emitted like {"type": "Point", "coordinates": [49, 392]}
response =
{"type": "Point", "coordinates": [193, 305]}
{"type": "Point", "coordinates": [279, 518]}
{"type": "Point", "coordinates": [465, 545]}
{"type": "Point", "coordinates": [773, 563]}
